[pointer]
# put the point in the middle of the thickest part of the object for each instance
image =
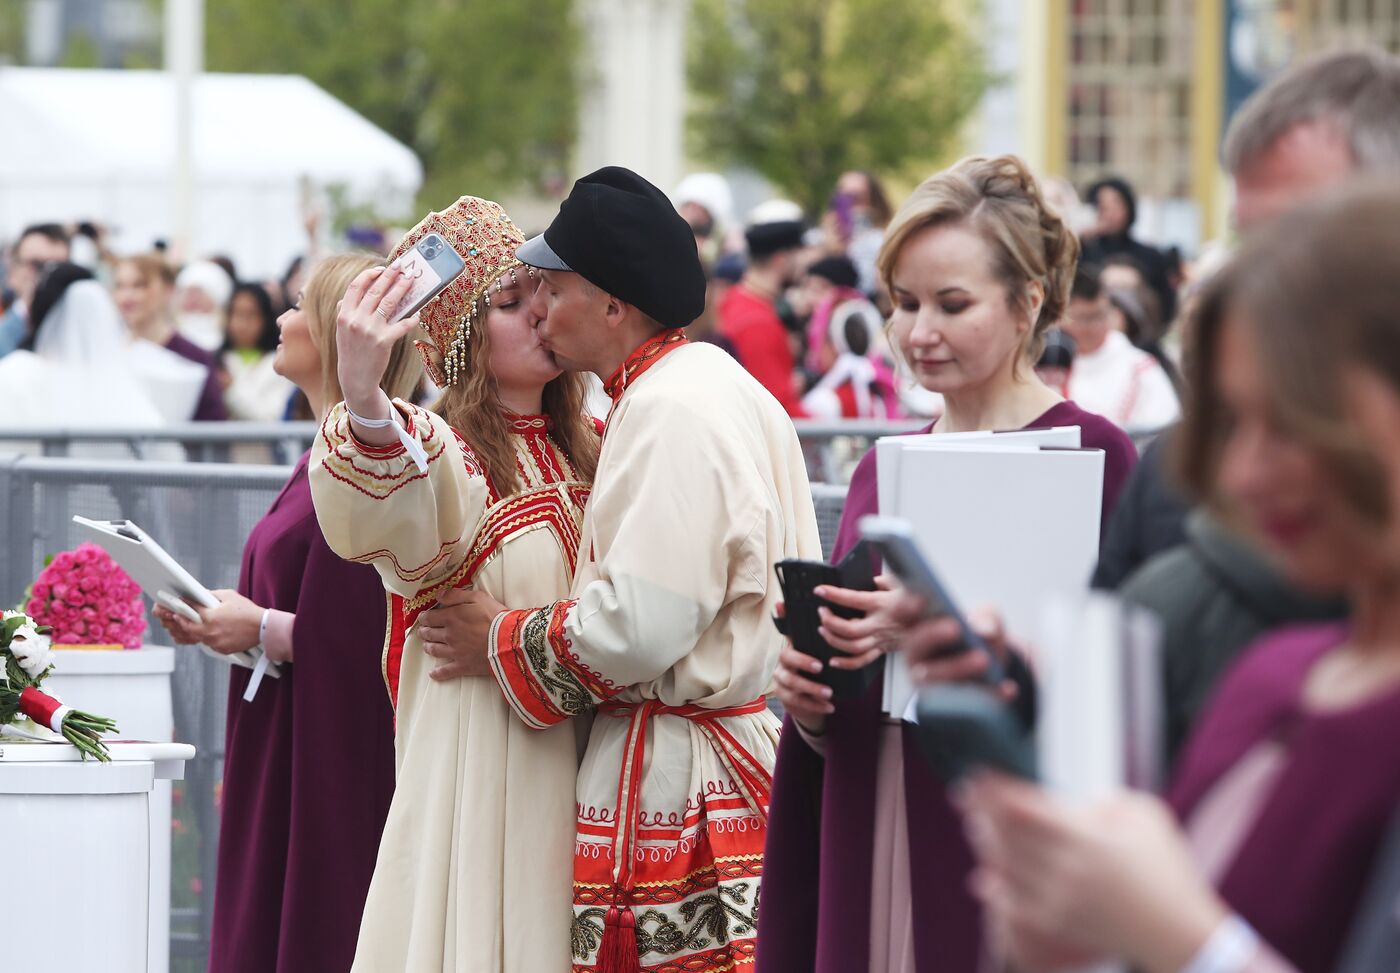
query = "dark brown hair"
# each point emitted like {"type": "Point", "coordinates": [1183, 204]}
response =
{"type": "Point", "coordinates": [1319, 292]}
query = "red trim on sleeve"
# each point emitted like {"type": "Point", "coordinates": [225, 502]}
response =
{"type": "Point", "coordinates": [517, 678]}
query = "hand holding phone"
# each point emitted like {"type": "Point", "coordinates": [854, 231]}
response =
{"type": "Point", "coordinates": [893, 539]}
{"type": "Point", "coordinates": [431, 264]}
{"type": "Point", "coordinates": [799, 579]}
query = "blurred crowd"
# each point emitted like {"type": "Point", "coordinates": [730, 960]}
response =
{"type": "Point", "coordinates": [160, 342]}
{"type": "Point", "coordinates": [802, 306]}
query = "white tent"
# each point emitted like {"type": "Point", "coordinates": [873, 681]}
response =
{"type": "Point", "coordinates": [100, 145]}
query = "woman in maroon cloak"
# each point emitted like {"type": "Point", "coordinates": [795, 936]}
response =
{"type": "Point", "coordinates": [309, 760]}
{"type": "Point", "coordinates": [1290, 780]}
{"type": "Point", "coordinates": [865, 867]}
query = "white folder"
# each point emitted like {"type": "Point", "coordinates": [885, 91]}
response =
{"type": "Point", "coordinates": [162, 578]}
{"type": "Point", "coordinates": [1006, 519]}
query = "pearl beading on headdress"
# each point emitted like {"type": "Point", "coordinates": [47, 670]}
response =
{"type": "Point", "coordinates": [486, 239]}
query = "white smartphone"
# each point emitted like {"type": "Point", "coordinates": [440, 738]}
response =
{"type": "Point", "coordinates": [432, 264]}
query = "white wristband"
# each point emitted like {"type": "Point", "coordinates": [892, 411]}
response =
{"type": "Point", "coordinates": [414, 447]}
{"type": "Point", "coordinates": [373, 423]}
{"type": "Point", "coordinates": [259, 667]}
{"type": "Point", "coordinates": [1230, 948]}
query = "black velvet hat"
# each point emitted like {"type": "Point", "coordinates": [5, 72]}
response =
{"type": "Point", "coordinates": [769, 238]}
{"type": "Point", "coordinates": [621, 234]}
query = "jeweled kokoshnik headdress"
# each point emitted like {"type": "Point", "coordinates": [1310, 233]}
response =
{"type": "Point", "coordinates": [486, 239]}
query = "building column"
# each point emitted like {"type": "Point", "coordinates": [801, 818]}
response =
{"type": "Point", "coordinates": [1043, 102]}
{"type": "Point", "coordinates": [632, 106]}
{"type": "Point", "coordinates": [1209, 186]}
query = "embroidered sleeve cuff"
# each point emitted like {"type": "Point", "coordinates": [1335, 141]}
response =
{"type": "Point", "coordinates": [387, 450]}
{"type": "Point", "coordinates": [377, 471]}
{"type": "Point", "coordinates": [541, 676]}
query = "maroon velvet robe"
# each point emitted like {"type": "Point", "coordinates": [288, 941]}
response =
{"type": "Point", "coordinates": [1306, 860]}
{"type": "Point", "coordinates": [818, 860]}
{"type": "Point", "coordinates": [309, 763]}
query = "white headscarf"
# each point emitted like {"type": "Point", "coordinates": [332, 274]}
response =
{"type": "Point", "coordinates": [204, 328]}
{"type": "Point", "coordinates": [83, 373]}
{"type": "Point", "coordinates": [710, 190]}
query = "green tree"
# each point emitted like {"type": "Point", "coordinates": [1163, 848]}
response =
{"type": "Point", "coordinates": [12, 31]}
{"type": "Point", "coordinates": [802, 90]}
{"type": "Point", "coordinates": [80, 52]}
{"type": "Point", "coordinates": [483, 91]}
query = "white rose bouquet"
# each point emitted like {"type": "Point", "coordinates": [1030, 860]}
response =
{"type": "Point", "coordinates": [26, 656]}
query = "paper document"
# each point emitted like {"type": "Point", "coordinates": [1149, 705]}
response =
{"type": "Point", "coordinates": [164, 581]}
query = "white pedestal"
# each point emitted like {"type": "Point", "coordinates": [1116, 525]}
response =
{"type": "Point", "coordinates": [133, 688]}
{"type": "Point", "coordinates": [81, 861]}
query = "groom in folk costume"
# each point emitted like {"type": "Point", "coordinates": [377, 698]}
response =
{"type": "Point", "coordinates": [668, 631]}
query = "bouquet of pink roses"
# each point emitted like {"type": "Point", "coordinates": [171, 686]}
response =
{"type": "Point", "coordinates": [87, 599]}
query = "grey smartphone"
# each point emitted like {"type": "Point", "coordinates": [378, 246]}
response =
{"type": "Point", "coordinates": [432, 264]}
{"type": "Point", "coordinates": [893, 539]}
{"type": "Point", "coordinates": [964, 727]}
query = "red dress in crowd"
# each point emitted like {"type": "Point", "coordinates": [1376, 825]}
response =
{"type": "Point", "coordinates": [760, 342]}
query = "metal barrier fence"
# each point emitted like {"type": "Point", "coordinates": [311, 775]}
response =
{"type": "Point", "coordinates": [201, 442]}
{"type": "Point", "coordinates": [201, 513]}
{"type": "Point", "coordinates": [831, 449]}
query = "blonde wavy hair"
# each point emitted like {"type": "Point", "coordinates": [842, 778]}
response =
{"type": "Point", "coordinates": [320, 299]}
{"type": "Point", "coordinates": [1001, 199]}
{"type": "Point", "coordinates": [473, 407]}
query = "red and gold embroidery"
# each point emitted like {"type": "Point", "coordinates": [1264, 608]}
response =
{"type": "Point", "coordinates": [556, 506]}
{"type": "Point", "coordinates": [646, 355]}
{"type": "Point", "coordinates": [346, 458]}
{"type": "Point", "coordinates": [684, 886]}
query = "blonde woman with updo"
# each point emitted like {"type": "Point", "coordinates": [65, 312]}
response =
{"type": "Point", "coordinates": [866, 865]}
{"type": "Point", "coordinates": [309, 759]}
{"type": "Point", "coordinates": [487, 494]}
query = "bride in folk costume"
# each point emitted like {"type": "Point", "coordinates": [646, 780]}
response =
{"type": "Point", "coordinates": [474, 867]}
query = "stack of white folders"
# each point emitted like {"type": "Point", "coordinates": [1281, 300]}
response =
{"type": "Point", "coordinates": [166, 583]}
{"type": "Point", "coordinates": [1006, 519]}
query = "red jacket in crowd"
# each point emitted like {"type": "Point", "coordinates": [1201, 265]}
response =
{"type": "Point", "coordinates": [761, 343]}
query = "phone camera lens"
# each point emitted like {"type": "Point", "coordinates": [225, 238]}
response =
{"type": "Point", "coordinates": [431, 248]}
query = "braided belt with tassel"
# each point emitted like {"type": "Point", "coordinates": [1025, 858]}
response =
{"type": "Point", "coordinates": [617, 953]}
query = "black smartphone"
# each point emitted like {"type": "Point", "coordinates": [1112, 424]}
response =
{"type": "Point", "coordinates": [799, 579]}
{"type": "Point", "coordinates": [963, 727]}
{"type": "Point", "coordinates": [893, 539]}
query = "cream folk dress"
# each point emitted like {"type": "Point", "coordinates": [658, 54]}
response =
{"type": "Point", "coordinates": [474, 866]}
{"type": "Point", "coordinates": [668, 632]}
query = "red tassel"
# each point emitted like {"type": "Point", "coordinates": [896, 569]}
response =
{"type": "Point", "coordinates": [617, 953]}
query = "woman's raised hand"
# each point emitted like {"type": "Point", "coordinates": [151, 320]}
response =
{"type": "Point", "coordinates": [365, 336]}
{"type": "Point", "coordinates": [1069, 882]}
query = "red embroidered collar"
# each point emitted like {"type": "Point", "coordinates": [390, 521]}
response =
{"type": "Point", "coordinates": [648, 354]}
{"type": "Point", "coordinates": [528, 425]}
